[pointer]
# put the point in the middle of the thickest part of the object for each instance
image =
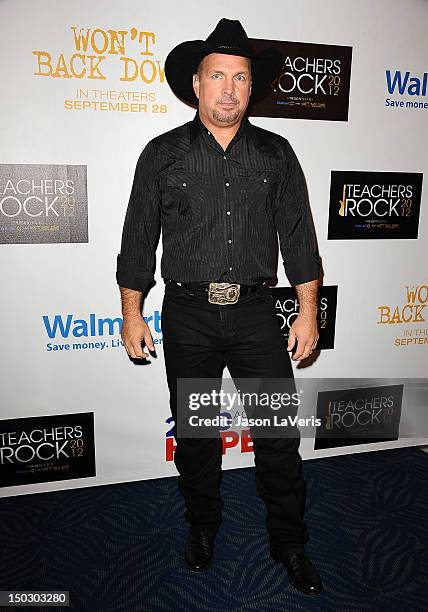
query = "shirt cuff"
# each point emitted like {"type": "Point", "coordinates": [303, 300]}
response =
{"type": "Point", "coordinates": [303, 269]}
{"type": "Point", "coordinates": [129, 276]}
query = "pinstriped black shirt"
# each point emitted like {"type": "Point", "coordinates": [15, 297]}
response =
{"type": "Point", "coordinates": [221, 212]}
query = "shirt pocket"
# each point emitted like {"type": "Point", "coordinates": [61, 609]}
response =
{"type": "Point", "coordinates": [184, 198]}
{"type": "Point", "coordinates": [258, 191]}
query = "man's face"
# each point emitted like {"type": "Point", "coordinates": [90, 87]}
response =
{"type": "Point", "coordinates": [223, 88]}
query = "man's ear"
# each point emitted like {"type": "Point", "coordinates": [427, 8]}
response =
{"type": "Point", "coordinates": [196, 85]}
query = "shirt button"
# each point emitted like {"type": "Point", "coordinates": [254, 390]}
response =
{"type": "Point", "coordinates": [209, 133]}
{"type": "Point", "coordinates": [184, 184]}
{"type": "Point", "coordinates": [227, 184]}
{"type": "Point", "coordinates": [224, 157]}
{"type": "Point", "coordinates": [228, 212]}
{"type": "Point", "coordinates": [265, 180]}
{"type": "Point", "coordinates": [229, 241]}
{"type": "Point", "coordinates": [230, 268]}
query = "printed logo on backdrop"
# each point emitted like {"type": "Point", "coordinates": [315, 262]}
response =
{"type": "Point", "coordinates": [374, 205]}
{"type": "Point", "coordinates": [409, 89]}
{"type": "Point", "coordinates": [71, 332]}
{"type": "Point", "coordinates": [358, 416]}
{"type": "Point", "coordinates": [238, 441]}
{"type": "Point", "coordinates": [313, 82]}
{"type": "Point", "coordinates": [287, 309]}
{"type": "Point", "coordinates": [47, 448]}
{"type": "Point", "coordinates": [43, 204]}
{"type": "Point", "coordinates": [103, 64]}
{"type": "Point", "coordinates": [407, 320]}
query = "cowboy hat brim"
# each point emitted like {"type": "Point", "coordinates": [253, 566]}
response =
{"type": "Point", "coordinates": [182, 62]}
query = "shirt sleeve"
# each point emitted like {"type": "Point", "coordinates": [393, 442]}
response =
{"type": "Point", "coordinates": [294, 224]}
{"type": "Point", "coordinates": [136, 263]}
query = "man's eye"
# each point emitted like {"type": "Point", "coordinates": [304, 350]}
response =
{"type": "Point", "coordinates": [215, 75]}
{"type": "Point", "coordinates": [240, 77]}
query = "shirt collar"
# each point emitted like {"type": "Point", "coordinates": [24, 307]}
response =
{"type": "Point", "coordinates": [197, 128]}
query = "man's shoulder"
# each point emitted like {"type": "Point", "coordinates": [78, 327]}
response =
{"type": "Point", "coordinates": [268, 138]}
{"type": "Point", "coordinates": [171, 137]}
{"type": "Point", "coordinates": [162, 148]}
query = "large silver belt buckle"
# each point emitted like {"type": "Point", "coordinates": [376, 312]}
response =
{"type": "Point", "coordinates": [223, 293]}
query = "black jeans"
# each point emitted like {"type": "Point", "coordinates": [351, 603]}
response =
{"type": "Point", "coordinates": [199, 340]}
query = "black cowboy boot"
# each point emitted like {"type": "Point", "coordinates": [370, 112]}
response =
{"type": "Point", "coordinates": [302, 572]}
{"type": "Point", "coordinates": [199, 549]}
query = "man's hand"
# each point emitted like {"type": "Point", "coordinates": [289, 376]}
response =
{"type": "Point", "coordinates": [305, 331]}
{"type": "Point", "coordinates": [134, 330]}
{"type": "Point", "coordinates": [305, 327]}
{"type": "Point", "coordinates": [134, 327]}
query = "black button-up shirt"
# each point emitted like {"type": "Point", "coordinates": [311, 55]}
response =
{"type": "Point", "coordinates": [221, 212]}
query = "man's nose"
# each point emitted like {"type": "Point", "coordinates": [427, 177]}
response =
{"type": "Point", "coordinates": [229, 85]}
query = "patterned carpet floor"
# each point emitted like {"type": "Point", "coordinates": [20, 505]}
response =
{"type": "Point", "coordinates": [120, 547]}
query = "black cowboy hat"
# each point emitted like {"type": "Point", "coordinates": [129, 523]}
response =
{"type": "Point", "coordinates": [230, 38]}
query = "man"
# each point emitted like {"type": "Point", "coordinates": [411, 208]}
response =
{"type": "Point", "coordinates": [223, 190]}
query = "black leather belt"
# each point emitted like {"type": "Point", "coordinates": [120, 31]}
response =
{"type": "Point", "coordinates": [204, 286]}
